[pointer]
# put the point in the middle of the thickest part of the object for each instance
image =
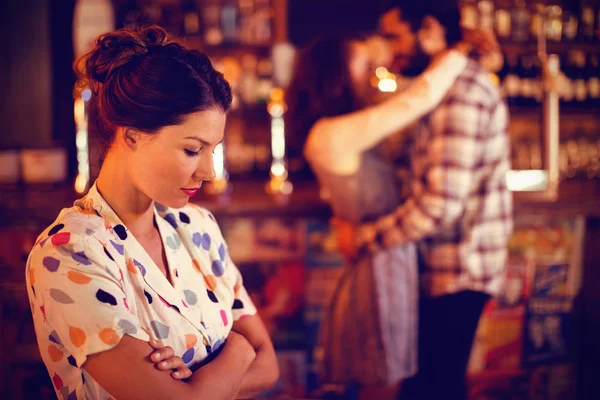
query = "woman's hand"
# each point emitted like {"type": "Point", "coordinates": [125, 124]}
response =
{"type": "Point", "coordinates": [480, 41]}
{"type": "Point", "coordinates": [164, 359]}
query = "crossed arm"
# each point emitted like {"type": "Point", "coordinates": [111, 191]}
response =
{"type": "Point", "coordinates": [245, 367]}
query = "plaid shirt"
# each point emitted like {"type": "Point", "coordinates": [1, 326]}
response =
{"type": "Point", "coordinates": [459, 210]}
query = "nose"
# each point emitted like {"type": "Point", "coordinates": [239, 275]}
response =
{"type": "Point", "coordinates": [205, 170]}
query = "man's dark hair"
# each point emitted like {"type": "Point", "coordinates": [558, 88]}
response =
{"type": "Point", "coordinates": [445, 11]}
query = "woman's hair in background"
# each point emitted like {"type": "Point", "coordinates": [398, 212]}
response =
{"type": "Point", "coordinates": [146, 82]}
{"type": "Point", "coordinates": [321, 86]}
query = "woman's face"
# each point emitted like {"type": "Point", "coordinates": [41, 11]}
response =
{"type": "Point", "coordinates": [170, 166]}
{"type": "Point", "coordinates": [359, 67]}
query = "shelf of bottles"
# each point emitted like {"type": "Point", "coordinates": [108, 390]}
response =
{"type": "Point", "coordinates": [572, 31]}
{"type": "Point", "coordinates": [238, 36]}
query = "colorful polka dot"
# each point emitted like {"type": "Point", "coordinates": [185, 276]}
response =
{"type": "Point", "coordinates": [224, 317]}
{"type": "Point", "coordinates": [127, 327]}
{"type": "Point", "coordinates": [57, 381]}
{"type": "Point", "coordinates": [32, 276]}
{"type": "Point", "coordinates": [77, 336]}
{"type": "Point", "coordinates": [237, 304]}
{"type": "Point", "coordinates": [188, 356]}
{"type": "Point", "coordinates": [160, 330]}
{"type": "Point", "coordinates": [211, 282]}
{"type": "Point", "coordinates": [190, 297]}
{"type": "Point", "coordinates": [106, 297]}
{"type": "Point", "coordinates": [72, 361]}
{"type": "Point", "coordinates": [170, 218]}
{"type": "Point", "coordinates": [190, 341]}
{"type": "Point", "coordinates": [60, 297]}
{"type": "Point", "coordinates": [55, 229]}
{"type": "Point", "coordinates": [217, 268]}
{"type": "Point", "coordinates": [148, 297]}
{"type": "Point", "coordinates": [55, 354]}
{"type": "Point", "coordinates": [130, 267]}
{"type": "Point", "coordinates": [183, 217]}
{"type": "Point", "coordinates": [118, 247]}
{"type": "Point", "coordinates": [51, 263]}
{"type": "Point", "coordinates": [121, 231]}
{"type": "Point", "coordinates": [60, 239]}
{"type": "Point", "coordinates": [78, 277]}
{"type": "Point", "coordinates": [81, 258]}
{"type": "Point", "coordinates": [212, 296]}
{"type": "Point", "coordinates": [108, 254]}
{"type": "Point", "coordinates": [109, 336]}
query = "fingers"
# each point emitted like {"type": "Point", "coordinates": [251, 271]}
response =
{"type": "Point", "coordinates": [170, 363]}
{"type": "Point", "coordinates": [182, 373]}
{"type": "Point", "coordinates": [162, 353]}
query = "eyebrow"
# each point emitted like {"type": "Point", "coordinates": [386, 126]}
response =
{"type": "Point", "coordinates": [202, 141]}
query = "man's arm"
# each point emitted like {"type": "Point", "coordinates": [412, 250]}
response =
{"type": "Point", "coordinates": [452, 156]}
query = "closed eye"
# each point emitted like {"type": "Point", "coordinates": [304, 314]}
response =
{"type": "Point", "coordinates": [191, 153]}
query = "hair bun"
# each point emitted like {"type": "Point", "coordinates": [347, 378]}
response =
{"type": "Point", "coordinates": [115, 49]}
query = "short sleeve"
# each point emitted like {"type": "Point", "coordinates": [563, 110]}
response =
{"type": "Point", "coordinates": [242, 304]}
{"type": "Point", "coordinates": [80, 291]}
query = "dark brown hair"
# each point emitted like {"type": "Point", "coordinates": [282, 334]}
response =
{"type": "Point", "coordinates": [446, 12]}
{"type": "Point", "coordinates": [146, 82]}
{"type": "Point", "coordinates": [321, 86]}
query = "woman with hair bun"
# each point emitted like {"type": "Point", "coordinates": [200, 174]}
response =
{"type": "Point", "coordinates": [133, 285]}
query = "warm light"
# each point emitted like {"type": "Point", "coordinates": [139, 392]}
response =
{"type": "Point", "coordinates": [526, 180]}
{"type": "Point", "coordinates": [276, 95]}
{"type": "Point", "coordinates": [79, 111]}
{"type": "Point", "coordinates": [278, 138]}
{"type": "Point", "coordinates": [387, 85]}
{"type": "Point", "coordinates": [219, 161]}
{"type": "Point", "coordinates": [381, 72]}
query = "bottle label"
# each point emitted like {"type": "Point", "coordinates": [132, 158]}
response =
{"type": "Point", "coordinates": [527, 88]}
{"type": "Point", "coordinates": [580, 90]}
{"type": "Point", "coordinates": [511, 85]}
{"type": "Point", "coordinates": [594, 87]}
{"type": "Point", "coordinates": [568, 91]}
{"type": "Point", "coordinates": [502, 23]}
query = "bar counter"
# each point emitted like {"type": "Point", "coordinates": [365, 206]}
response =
{"type": "Point", "coordinates": [20, 204]}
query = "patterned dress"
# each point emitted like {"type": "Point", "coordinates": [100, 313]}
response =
{"type": "Point", "coordinates": [90, 282]}
{"type": "Point", "coordinates": [369, 335]}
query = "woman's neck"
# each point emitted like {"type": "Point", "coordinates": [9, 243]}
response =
{"type": "Point", "coordinates": [132, 206]}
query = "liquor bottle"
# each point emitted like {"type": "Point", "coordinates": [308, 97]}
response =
{"type": "Point", "coordinates": [502, 20]}
{"type": "Point", "coordinates": [593, 81]}
{"type": "Point", "coordinates": [229, 21]}
{"type": "Point", "coordinates": [570, 25]}
{"type": "Point", "coordinates": [537, 20]}
{"type": "Point", "coordinates": [511, 81]}
{"type": "Point", "coordinates": [580, 91]}
{"type": "Point", "coordinates": [538, 85]}
{"type": "Point", "coordinates": [567, 89]}
{"type": "Point", "coordinates": [520, 22]}
{"type": "Point", "coordinates": [468, 14]}
{"type": "Point", "coordinates": [191, 18]}
{"type": "Point", "coordinates": [587, 23]}
{"type": "Point", "coordinates": [528, 82]}
{"type": "Point", "coordinates": [486, 15]}
{"type": "Point", "coordinates": [211, 18]}
{"type": "Point", "coordinates": [554, 23]}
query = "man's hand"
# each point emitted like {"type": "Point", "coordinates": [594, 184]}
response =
{"type": "Point", "coordinates": [345, 233]}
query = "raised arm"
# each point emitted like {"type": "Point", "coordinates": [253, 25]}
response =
{"type": "Point", "coordinates": [356, 132]}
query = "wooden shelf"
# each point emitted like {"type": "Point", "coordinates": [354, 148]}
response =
{"type": "Point", "coordinates": [551, 47]}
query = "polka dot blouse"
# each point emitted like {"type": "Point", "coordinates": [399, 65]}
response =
{"type": "Point", "coordinates": [90, 282]}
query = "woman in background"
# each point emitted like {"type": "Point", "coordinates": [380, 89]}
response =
{"type": "Point", "coordinates": [369, 335]}
{"type": "Point", "coordinates": [132, 265]}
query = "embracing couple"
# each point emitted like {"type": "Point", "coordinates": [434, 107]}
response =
{"type": "Point", "coordinates": [425, 251]}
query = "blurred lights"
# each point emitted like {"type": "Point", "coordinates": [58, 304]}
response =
{"type": "Point", "coordinates": [387, 85]}
{"type": "Point", "coordinates": [526, 180]}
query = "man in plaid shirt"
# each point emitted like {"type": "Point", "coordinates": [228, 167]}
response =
{"type": "Point", "coordinates": [459, 210]}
